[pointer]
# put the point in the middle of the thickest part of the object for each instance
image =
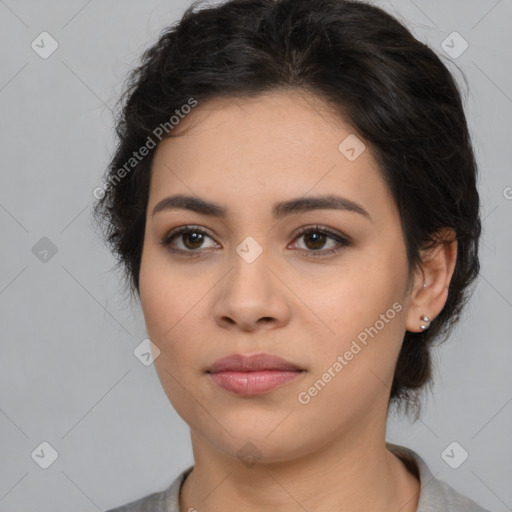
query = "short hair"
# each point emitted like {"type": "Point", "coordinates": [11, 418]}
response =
{"type": "Point", "coordinates": [392, 89]}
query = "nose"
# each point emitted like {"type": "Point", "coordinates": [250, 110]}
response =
{"type": "Point", "coordinates": [252, 296]}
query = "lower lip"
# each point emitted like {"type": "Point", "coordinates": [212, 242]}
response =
{"type": "Point", "coordinates": [253, 383]}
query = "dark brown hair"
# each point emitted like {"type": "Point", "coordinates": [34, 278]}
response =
{"type": "Point", "coordinates": [393, 89]}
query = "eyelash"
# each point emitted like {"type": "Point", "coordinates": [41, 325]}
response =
{"type": "Point", "coordinates": [340, 240]}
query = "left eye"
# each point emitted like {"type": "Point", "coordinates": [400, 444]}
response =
{"type": "Point", "coordinates": [315, 238]}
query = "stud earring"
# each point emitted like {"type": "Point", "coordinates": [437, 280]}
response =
{"type": "Point", "coordinates": [426, 319]}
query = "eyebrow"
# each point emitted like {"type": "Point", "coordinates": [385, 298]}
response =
{"type": "Point", "coordinates": [279, 210]}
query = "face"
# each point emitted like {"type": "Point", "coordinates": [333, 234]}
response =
{"type": "Point", "coordinates": [325, 288]}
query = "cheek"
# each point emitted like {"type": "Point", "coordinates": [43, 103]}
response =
{"type": "Point", "coordinates": [172, 303]}
{"type": "Point", "coordinates": [362, 316]}
{"type": "Point", "coordinates": [171, 327]}
{"type": "Point", "coordinates": [354, 296]}
{"type": "Point", "coordinates": [365, 329]}
{"type": "Point", "coordinates": [169, 316]}
{"type": "Point", "coordinates": [353, 367]}
{"type": "Point", "coordinates": [164, 295]}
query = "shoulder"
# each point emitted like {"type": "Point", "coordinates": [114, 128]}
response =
{"type": "Point", "coordinates": [162, 501]}
{"type": "Point", "coordinates": [455, 501]}
{"type": "Point", "coordinates": [151, 502]}
{"type": "Point", "coordinates": [435, 494]}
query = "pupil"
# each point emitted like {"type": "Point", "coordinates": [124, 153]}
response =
{"type": "Point", "coordinates": [319, 239]}
{"type": "Point", "coordinates": [195, 237]}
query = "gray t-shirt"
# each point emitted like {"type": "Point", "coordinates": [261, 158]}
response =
{"type": "Point", "coordinates": [435, 495]}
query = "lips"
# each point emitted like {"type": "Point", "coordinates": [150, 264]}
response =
{"type": "Point", "coordinates": [241, 363]}
{"type": "Point", "coordinates": [253, 375]}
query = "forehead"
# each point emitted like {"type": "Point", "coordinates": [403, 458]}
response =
{"type": "Point", "coordinates": [272, 124]}
{"type": "Point", "coordinates": [278, 144]}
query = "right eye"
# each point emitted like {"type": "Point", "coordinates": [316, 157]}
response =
{"type": "Point", "coordinates": [191, 238]}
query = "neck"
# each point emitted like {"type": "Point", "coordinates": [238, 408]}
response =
{"type": "Point", "coordinates": [356, 473]}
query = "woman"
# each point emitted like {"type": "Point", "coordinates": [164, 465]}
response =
{"type": "Point", "coordinates": [293, 199]}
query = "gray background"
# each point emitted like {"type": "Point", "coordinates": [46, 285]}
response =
{"type": "Point", "coordinates": [68, 375]}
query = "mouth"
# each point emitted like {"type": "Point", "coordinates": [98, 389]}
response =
{"type": "Point", "coordinates": [253, 375]}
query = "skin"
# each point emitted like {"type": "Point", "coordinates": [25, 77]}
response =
{"type": "Point", "coordinates": [246, 154]}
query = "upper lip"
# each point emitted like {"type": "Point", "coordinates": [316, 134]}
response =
{"type": "Point", "coordinates": [243, 363]}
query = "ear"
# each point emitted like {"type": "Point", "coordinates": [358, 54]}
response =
{"type": "Point", "coordinates": [432, 281]}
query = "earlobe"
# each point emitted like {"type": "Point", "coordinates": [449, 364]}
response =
{"type": "Point", "coordinates": [432, 281]}
{"type": "Point", "coordinates": [426, 325]}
